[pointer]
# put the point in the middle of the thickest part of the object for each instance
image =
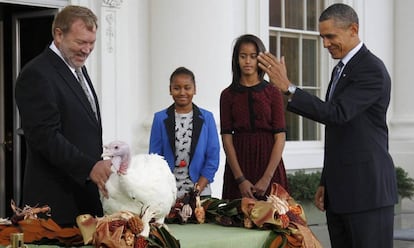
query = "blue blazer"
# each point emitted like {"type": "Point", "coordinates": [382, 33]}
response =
{"type": "Point", "coordinates": [205, 146]}
{"type": "Point", "coordinates": [358, 172]}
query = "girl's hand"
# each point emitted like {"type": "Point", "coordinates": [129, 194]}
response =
{"type": "Point", "coordinates": [261, 186]}
{"type": "Point", "coordinates": [247, 189]}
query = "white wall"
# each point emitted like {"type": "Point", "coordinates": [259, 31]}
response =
{"type": "Point", "coordinates": [120, 70]}
{"type": "Point", "coordinates": [141, 42]}
{"type": "Point", "coordinates": [198, 35]}
{"type": "Point", "coordinates": [389, 34]}
{"type": "Point", "coordinates": [152, 38]}
{"type": "Point", "coordinates": [402, 122]}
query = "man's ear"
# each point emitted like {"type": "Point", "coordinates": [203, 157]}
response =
{"type": "Point", "coordinates": [57, 36]}
{"type": "Point", "coordinates": [355, 29]}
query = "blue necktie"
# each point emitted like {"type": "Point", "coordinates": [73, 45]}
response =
{"type": "Point", "coordinates": [335, 79]}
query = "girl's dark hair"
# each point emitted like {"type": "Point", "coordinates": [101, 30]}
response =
{"type": "Point", "coordinates": [245, 39]}
{"type": "Point", "coordinates": [182, 71]}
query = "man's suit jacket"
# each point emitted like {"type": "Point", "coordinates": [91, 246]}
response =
{"type": "Point", "coordinates": [358, 172]}
{"type": "Point", "coordinates": [63, 137]}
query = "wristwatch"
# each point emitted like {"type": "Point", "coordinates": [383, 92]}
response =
{"type": "Point", "coordinates": [291, 90]}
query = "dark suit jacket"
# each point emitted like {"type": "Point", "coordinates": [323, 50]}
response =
{"type": "Point", "coordinates": [358, 172]}
{"type": "Point", "coordinates": [63, 137]}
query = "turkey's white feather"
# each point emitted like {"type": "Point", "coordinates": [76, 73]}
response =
{"type": "Point", "coordinates": [147, 188]}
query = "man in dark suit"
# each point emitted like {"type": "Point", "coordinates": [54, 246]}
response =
{"type": "Point", "coordinates": [358, 184]}
{"type": "Point", "coordinates": [61, 126]}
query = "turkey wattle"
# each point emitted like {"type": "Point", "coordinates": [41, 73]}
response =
{"type": "Point", "coordinates": [142, 184]}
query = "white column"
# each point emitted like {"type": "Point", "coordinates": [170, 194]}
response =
{"type": "Point", "coordinates": [119, 68]}
{"type": "Point", "coordinates": [101, 64]}
{"type": "Point", "coordinates": [108, 51]}
{"type": "Point", "coordinates": [402, 122]}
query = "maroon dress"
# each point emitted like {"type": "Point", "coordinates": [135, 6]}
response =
{"type": "Point", "coordinates": [252, 115]}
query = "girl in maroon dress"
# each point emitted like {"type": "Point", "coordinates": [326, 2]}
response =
{"type": "Point", "coordinates": [252, 126]}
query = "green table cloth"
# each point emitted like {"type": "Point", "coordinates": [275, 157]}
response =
{"type": "Point", "coordinates": [208, 236]}
{"type": "Point", "coordinates": [213, 236]}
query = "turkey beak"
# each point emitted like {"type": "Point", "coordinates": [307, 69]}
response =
{"type": "Point", "coordinates": [106, 155]}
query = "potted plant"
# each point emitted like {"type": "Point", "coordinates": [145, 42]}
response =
{"type": "Point", "coordinates": [405, 183]}
{"type": "Point", "coordinates": [302, 187]}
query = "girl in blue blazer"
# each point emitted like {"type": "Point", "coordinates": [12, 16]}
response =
{"type": "Point", "coordinates": [187, 137]}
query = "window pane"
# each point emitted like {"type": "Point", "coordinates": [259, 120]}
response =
{"type": "Point", "coordinates": [292, 126]}
{"type": "Point", "coordinates": [290, 49]}
{"type": "Point", "coordinates": [275, 10]}
{"type": "Point", "coordinates": [309, 61]}
{"type": "Point", "coordinates": [301, 52]}
{"type": "Point", "coordinates": [272, 45]}
{"type": "Point", "coordinates": [311, 15]}
{"type": "Point", "coordinates": [294, 14]}
{"type": "Point", "coordinates": [310, 127]}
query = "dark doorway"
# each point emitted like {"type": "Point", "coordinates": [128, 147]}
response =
{"type": "Point", "coordinates": [25, 31]}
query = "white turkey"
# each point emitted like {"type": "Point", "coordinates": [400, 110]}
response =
{"type": "Point", "coordinates": [142, 184]}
